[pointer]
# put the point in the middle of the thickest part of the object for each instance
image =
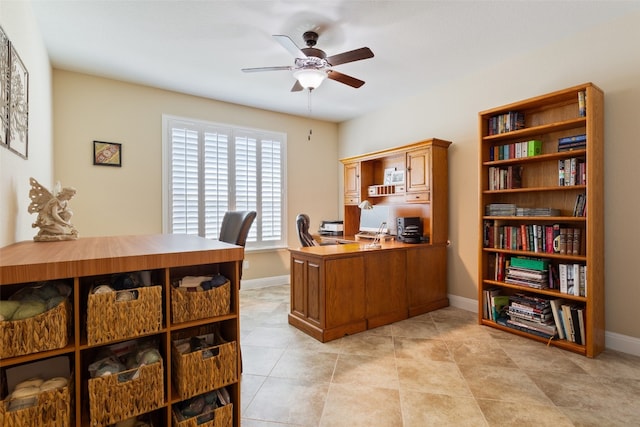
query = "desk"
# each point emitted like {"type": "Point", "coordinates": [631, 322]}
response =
{"type": "Point", "coordinates": [343, 289]}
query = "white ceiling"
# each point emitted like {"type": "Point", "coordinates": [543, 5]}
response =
{"type": "Point", "coordinates": [199, 47]}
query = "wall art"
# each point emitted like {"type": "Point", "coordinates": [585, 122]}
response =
{"type": "Point", "coordinates": [4, 89]}
{"type": "Point", "coordinates": [107, 153]}
{"type": "Point", "coordinates": [18, 104]}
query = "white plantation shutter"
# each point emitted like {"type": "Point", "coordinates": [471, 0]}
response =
{"type": "Point", "coordinates": [215, 168]}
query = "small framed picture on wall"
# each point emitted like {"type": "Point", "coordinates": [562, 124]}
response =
{"type": "Point", "coordinates": [107, 153]}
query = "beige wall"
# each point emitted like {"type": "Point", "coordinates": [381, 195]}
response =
{"type": "Point", "coordinates": [19, 24]}
{"type": "Point", "coordinates": [606, 56]}
{"type": "Point", "coordinates": [128, 200]}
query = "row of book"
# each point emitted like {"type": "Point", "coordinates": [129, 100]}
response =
{"type": "Point", "coordinates": [504, 178]}
{"type": "Point", "coordinates": [516, 150]}
{"type": "Point", "coordinates": [510, 209]}
{"type": "Point", "coordinates": [539, 238]}
{"type": "Point", "coordinates": [570, 143]}
{"type": "Point", "coordinates": [501, 123]}
{"type": "Point", "coordinates": [572, 171]}
{"type": "Point", "coordinates": [541, 316]}
{"type": "Point", "coordinates": [539, 273]}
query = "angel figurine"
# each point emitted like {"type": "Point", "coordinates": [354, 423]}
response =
{"type": "Point", "coordinates": [54, 215]}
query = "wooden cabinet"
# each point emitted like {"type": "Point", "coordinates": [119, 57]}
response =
{"type": "Point", "coordinates": [419, 186]}
{"type": "Point", "coordinates": [542, 190]}
{"type": "Point", "coordinates": [419, 170]}
{"type": "Point", "coordinates": [84, 261]}
{"type": "Point", "coordinates": [352, 183]}
{"type": "Point", "coordinates": [339, 290]}
{"type": "Point", "coordinates": [426, 279]}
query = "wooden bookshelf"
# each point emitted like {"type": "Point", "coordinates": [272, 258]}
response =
{"type": "Point", "coordinates": [547, 118]}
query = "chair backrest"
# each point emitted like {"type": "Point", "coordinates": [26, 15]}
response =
{"type": "Point", "coordinates": [302, 223]}
{"type": "Point", "coordinates": [235, 227]}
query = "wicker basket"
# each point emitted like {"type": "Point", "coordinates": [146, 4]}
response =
{"type": "Point", "coordinates": [54, 408]}
{"type": "Point", "coordinates": [46, 331]}
{"type": "Point", "coordinates": [110, 320]}
{"type": "Point", "coordinates": [187, 305]}
{"type": "Point", "coordinates": [222, 417]}
{"type": "Point", "coordinates": [194, 373]}
{"type": "Point", "coordinates": [111, 400]}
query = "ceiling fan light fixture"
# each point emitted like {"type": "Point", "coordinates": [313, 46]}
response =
{"type": "Point", "coordinates": [310, 78]}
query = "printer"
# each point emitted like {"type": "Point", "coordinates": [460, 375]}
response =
{"type": "Point", "coordinates": [331, 228]}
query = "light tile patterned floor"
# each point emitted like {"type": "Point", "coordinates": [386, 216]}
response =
{"type": "Point", "coordinates": [439, 369]}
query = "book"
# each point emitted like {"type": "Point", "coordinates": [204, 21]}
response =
{"type": "Point", "coordinates": [539, 264]}
{"type": "Point", "coordinates": [557, 316]}
{"type": "Point", "coordinates": [575, 249]}
{"type": "Point", "coordinates": [575, 274]}
{"type": "Point", "coordinates": [580, 313]}
{"type": "Point", "coordinates": [572, 139]}
{"type": "Point", "coordinates": [568, 323]}
{"type": "Point", "coordinates": [582, 103]}
{"type": "Point", "coordinates": [562, 274]}
{"type": "Point", "coordinates": [534, 148]}
{"type": "Point", "coordinates": [498, 305]}
{"type": "Point", "coordinates": [576, 324]}
{"type": "Point", "coordinates": [578, 207]}
{"type": "Point", "coordinates": [488, 295]}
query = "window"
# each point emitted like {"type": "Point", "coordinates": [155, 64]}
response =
{"type": "Point", "coordinates": [210, 168]}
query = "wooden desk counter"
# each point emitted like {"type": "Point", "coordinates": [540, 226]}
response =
{"type": "Point", "coordinates": [338, 290]}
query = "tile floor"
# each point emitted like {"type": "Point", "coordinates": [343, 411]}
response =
{"type": "Point", "coordinates": [440, 368]}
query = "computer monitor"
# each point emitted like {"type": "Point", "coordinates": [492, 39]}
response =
{"type": "Point", "coordinates": [370, 219]}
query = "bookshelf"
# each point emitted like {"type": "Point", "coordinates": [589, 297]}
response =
{"type": "Point", "coordinates": [542, 198]}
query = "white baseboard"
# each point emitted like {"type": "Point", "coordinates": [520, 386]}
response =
{"type": "Point", "coordinates": [612, 340]}
{"type": "Point", "coordinates": [264, 282]}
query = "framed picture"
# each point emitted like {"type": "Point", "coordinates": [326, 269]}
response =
{"type": "Point", "coordinates": [107, 153]}
{"type": "Point", "coordinates": [388, 175]}
{"type": "Point", "coordinates": [397, 177]}
{"type": "Point", "coordinates": [18, 104]}
{"type": "Point", "coordinates": [4, 89]}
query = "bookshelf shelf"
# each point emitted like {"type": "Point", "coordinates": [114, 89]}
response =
{"type": "Point", "coordinates": [531, 260]}
{"type": "Point", "coordinates": [536, 130]}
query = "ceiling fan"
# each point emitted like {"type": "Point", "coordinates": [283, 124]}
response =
{"type": "Point", "coordinates": [312, 65]}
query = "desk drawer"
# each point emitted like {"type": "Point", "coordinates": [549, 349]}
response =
{"type": "Point", "coordinates": [420, 197]}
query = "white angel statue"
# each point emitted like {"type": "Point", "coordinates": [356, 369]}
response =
{"type": "Point", "coordinates": [54, 215]}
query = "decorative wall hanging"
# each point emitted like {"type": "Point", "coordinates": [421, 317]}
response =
{"type": "Point", "coordinates": [107, 153]}
{"type": "Point", "coordinates": [4, 89]}
{"type": "Point", "coordinates": [14, 99]}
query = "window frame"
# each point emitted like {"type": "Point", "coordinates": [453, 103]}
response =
{"type": "Point", "coordinates": [234, 131]}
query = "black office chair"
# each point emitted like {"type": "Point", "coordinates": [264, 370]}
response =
{"type": "Point", "coordinates": [235, 228]}
{"type": "Point", "coordinates": [302, 222]}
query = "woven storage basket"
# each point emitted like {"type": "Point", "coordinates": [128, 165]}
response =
{"type": "Point", "coordinates": [54, 408]}
{"type": "Point", "coordinates": [46, 331]}
{"type": "Point", "coordinates": [187, 306]}
{"type": "Point", "coordinates": [194, 374]}
{"type": "Point", "coordinates": [222, 417]}
{"type": "Point", "coordinates": [109, 320]}
{"type": "Point", "coordinates": [111, 401]}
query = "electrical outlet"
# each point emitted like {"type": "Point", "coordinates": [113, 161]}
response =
{"type": "Point", "coordinates": [245, 265]}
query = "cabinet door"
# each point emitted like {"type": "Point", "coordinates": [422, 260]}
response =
{"type": "Point", "coordinates": [419, 170]}
{"type": "Point", "coordinates": [386, 292]}
{"type": "Point", "coordinates": [426, 279]}
{"type": "Point", "coordinates": [305, 290]}
{"type": "Point", "coordinates": [352, 183]}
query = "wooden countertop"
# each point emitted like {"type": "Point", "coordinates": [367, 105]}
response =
{"type": "Point", "coordinates": [30, 261]}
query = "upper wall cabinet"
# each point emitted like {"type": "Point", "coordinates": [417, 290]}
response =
{"type": "Point", "coordinates": [412, 178]}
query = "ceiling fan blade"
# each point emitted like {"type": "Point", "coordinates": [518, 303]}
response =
{"type": "Point", "coordinates": [343, 78]}
{"type": "Point", "coordinates": [297, 87]}
{"type": "Point", "coordinates": [253, 70]}
{"type": "Point", "coordinates": [351, 56]}
{"type": "Point", "coordinates": [288, 44]}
